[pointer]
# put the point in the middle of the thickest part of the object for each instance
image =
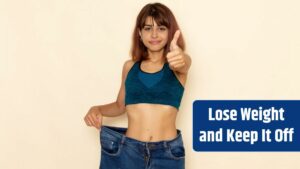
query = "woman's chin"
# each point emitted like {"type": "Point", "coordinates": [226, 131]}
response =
{"type": "Point", "coordinates": [155, 49]}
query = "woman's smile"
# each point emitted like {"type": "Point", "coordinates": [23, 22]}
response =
{"type": "Point", "coordinates": [155, 42]}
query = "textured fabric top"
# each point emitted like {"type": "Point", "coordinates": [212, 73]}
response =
{"type": "Point", "coordinates": [161, 87]}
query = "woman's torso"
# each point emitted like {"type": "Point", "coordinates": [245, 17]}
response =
{"type": "Point", "coordinates": [152, 122]}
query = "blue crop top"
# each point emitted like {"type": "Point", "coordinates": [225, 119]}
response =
{"type": "Point", "coordinates": [161, 87]}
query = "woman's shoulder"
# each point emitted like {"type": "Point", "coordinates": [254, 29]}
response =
{"type": "Point", "coordinates": [128, 64]}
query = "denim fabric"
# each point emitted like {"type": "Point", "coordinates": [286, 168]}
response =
{"type": "Point", "coordinates": [121, 152]}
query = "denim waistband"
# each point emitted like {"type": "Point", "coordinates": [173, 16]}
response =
{"type": "Point", "coordinates": [119, 133]}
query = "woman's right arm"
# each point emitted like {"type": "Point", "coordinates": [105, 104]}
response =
{"type": "Point", "coordinates": [94, 115]}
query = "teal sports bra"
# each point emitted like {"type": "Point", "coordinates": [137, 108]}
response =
{"type": "Point", "coordinates": [161, 87]}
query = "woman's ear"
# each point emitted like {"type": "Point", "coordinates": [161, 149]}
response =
{"type": "Point", "coordinates": [140, 33]}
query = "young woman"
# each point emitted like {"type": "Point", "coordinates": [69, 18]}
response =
{"type": "Point", "coordinates": [151, 91]}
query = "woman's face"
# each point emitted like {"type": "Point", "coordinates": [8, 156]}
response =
{"type": "Point", "coordinates": [154, 37]}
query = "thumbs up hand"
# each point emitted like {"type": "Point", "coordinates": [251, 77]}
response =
{"type": "Point", "coordinates": [176, 57]}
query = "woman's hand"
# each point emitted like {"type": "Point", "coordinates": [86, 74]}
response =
{"type": "Point", "coordinates": [178, 60]}
{"type": "Point", "coordinates": [94, 117]}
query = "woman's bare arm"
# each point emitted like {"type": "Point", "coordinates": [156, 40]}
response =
{"type": "Point", "coordinates": [94, 116]}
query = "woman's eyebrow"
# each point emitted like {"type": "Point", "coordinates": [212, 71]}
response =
{"type": "Point", "coordinates": [153, 25]}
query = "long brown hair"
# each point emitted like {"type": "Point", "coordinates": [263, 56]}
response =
{"type": "Point", "coordinates": [162, 16]}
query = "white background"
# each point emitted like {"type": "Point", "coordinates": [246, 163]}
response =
{"type": "Point", "coordinates": [60, 57]}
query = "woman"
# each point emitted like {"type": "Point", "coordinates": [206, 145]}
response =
{"type": "Point", "coordinates": [151, 91]}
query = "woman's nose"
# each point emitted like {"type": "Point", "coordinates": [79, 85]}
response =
{"type": "Point", "coordinates": [154, 33]}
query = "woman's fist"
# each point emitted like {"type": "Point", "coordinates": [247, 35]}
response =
{"type": "Point", "coordinates": [176, 57]}
{"type": "Point", "coordinates": [93, 117]}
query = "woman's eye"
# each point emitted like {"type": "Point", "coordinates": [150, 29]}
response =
{"type": "Point", "coordinates": [162, 28]}
{"type": "Point", "coordinates": [147, 28]}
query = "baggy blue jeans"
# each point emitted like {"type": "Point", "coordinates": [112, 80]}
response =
{"type": "Point", "coordinates": [121, 152]}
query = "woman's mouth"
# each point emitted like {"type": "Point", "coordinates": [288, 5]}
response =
{"type": "Point", "coordinates": [154, 42]}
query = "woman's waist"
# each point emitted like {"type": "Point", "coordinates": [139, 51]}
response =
{"type": "Point", "coordinates": [151, 133]}
{"type": "Point", "coordinates": [118, 133]}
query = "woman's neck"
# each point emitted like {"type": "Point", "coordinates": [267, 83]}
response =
{"type": "Point", "coordinates": [156, 57]}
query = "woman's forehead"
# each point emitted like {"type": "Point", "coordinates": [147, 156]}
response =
{"type": "Point", "coordinates": [151, 21]}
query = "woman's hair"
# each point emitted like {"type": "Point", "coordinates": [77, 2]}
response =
{"type": "Point", "coordinates": [162, 16]}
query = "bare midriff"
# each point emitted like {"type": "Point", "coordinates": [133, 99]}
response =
{"type": "Point", "coordinates": [151, 122]}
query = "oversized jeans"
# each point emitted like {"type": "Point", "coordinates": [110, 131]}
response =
{"type": "Point", "coordinates": [121, 152]}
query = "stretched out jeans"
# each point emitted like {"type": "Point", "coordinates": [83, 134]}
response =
{"type": "Point", "coordinates": [121, 152]}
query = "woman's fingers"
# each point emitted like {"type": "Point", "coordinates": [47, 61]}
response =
{"type": "Point", "coordinates": [99, 125]}
{"type": "Point", "coordinates": [87, 121]}
{"type": "Point", "coordinates": [93, 118]}
{"type": "Point", "coordinates": [99, 121]}
{"type": "Point", "coordinates": [90, 120]}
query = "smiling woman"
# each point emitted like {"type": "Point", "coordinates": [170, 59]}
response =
{"type": "Point", "coordinates": [154, 37]}
{"type": "Point", "coordinates": [154, 24]}
{"type": "Point", "coordinates": [151, 91]}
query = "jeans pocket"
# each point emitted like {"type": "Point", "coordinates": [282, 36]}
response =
{"type": "Point", "coordinates": [110, 147]}
{"type": "Point", "coordinates": [177, 152]}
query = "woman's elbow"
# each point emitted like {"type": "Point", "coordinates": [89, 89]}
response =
{"type": "Point", "coordinates": [121, 106]}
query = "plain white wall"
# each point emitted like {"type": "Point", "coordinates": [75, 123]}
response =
{"type": "Point", "coordinates": [59, 57]}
